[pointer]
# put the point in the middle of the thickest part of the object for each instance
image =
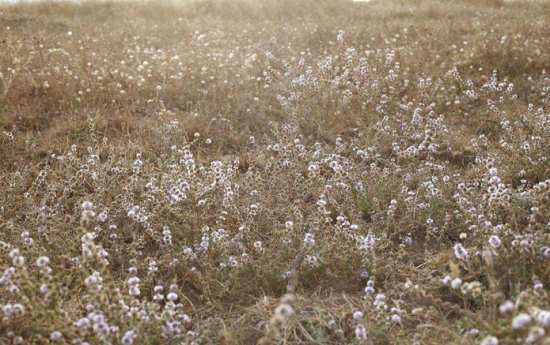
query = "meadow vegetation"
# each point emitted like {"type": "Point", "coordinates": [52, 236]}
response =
{"type": "Point", "coordinates": [275, 172]}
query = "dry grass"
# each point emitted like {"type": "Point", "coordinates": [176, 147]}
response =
{"type": "Point", "coordinates": [242, 172]}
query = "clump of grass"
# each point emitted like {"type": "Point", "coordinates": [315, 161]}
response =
{"type": "Point", "coordinates": [247, 172]}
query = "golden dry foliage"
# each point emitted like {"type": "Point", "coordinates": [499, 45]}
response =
{"type": "Point", "coordinates": [275, 172]}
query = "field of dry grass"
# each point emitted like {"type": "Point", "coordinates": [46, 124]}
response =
{"type": "Point", "coordinates": [275, 172]}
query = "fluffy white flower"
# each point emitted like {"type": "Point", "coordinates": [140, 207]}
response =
{"type": "Point", "coordinates": [395, 319]}
{"type": "Point", "coordinates": [55, 336]}
{"type": "Point", "coordinates": [489, 340]}
{"type": "Point", "coordinates": [543, 317]}
{"type": "Point", "coordinates": [42, 261]}
{"type": "Point", "coordinates": [460, 252]}
{"type": "Point", "coordinates": [506, 307]}
{"type": "Point", "coordinates": [521, 321]}
{"type": "Point", "coordinates": [133, 281]}
{"type": "Point", "coordinates": [455, 284]}
{"type": "Point", "coordinates": [87, 205]}
{"type": "Point", "coordinates": [494, 241]}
